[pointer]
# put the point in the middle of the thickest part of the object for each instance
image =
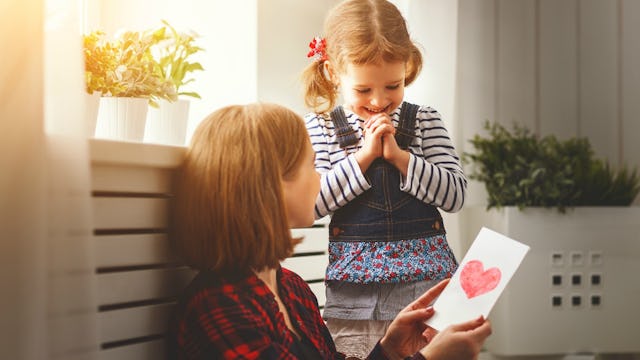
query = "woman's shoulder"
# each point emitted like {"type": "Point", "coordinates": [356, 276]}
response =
{"type": "Point", "coordinates": [213, 301]}
{"type": "Point", "coordinates": [294, 282]}
{"type": "Point", "coordinates": [292, 277]}
{"type": "Point", "coordinates": [209, 286]}
{"type": "Point", "coordinates": [298, 290]}
{"type": "Point", "coordinates": [203, 294]}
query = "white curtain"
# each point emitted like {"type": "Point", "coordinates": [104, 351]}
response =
{"type": "Point", "coordinates": [71, 305]}
{"type": "Point", "coordinates": [22, 183]}
{"type": "Point", "coordinates": [46, 260]}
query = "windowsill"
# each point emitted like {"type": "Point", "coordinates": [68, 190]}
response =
{"type": "Point", "coordinates": [114, 152]}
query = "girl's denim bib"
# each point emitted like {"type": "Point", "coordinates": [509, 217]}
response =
{"type": "Point", "coordinates": [384, 212]}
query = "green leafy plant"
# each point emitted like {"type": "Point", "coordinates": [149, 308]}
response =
{"type": "Point", "coordinates": [99, 57]}
{"type": "Point", "coordinates": [174, 53]}
{"type": "Point", "coordinates": [125, 66]}
{"type": "Point", "coordinates": [521, 169]}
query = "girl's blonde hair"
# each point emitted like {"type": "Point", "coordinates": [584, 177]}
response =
{"type": "Point", "coordinates": [228, 210]}
{"type": "Point", "coordinates": [360, 32]}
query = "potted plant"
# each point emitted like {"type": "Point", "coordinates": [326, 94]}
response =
{"type": "Point", "coordinates": [98, 58]}
{"type": "Point", "coordinates": [573, 210]}
{"type": "Point", "coordinates": [521, 169]}
{"type": "Point", "coordinates": [174, 53]}
{"type": "Point", "coordinates": [128, 78]}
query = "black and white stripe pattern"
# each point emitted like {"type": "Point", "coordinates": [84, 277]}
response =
{"type": "Point", "coordinates": [434, 174]}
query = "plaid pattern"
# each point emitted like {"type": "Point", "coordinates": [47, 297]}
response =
{"type": "Point", "coordinates": [236, 317]}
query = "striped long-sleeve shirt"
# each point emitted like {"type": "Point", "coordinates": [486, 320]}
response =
{"type": "Point", "coordinates": [434, 173]}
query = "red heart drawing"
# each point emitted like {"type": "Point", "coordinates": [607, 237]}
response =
{"type": "Point", "coordinates": [476, 281]}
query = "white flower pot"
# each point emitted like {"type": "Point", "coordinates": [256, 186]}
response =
{"type": "Point", "coordinates": [122, 118]}
{"type": "Point", "coordinates": [167, 124]}
{"type": "Point", "coordinates": [92, 105]}
{"type": "Point", "coordinates": [577, 290]}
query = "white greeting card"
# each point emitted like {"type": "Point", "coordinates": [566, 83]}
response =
{"type": "Point", "coordinates": [481, 277]}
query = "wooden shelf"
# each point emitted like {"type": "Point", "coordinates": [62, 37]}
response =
{"type": "Point", "coordinates": [112, 152]}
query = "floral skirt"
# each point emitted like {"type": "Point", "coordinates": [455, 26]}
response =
{"type": "Point", "coordinates": [391, 262]}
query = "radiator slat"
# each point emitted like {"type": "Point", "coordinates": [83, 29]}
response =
{"type": "Point", "coordinates": [132, 249]}
{"type": "Point", "coordinates": [123, 324]}
{"type": "Point", "coordinates": [131, 179]}
{"type": "Point", "coordinates": [152, 350]}
{"type": "Point", "coordinates": [132, 286]}
{"type": "Point", "coordinates": [130, 213]}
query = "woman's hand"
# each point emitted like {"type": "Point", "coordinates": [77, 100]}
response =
{"type": "Point", "coordinates": [405, 334]}
{"type": "Point", "coordinates": [458, 342]}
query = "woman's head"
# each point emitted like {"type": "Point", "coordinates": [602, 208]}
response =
{"type": "Point", "coordinates": [359, 32]}
{"type": "Point", "coordinates": [230, 209]}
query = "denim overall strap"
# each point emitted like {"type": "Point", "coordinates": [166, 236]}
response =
{"type": "Point", "coordinates": [406, 126]}
{"type": "Point", "coordinates": [346, 135]}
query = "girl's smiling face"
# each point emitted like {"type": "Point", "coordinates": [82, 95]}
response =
{"type": "Point", "coordinates": [370, 89]}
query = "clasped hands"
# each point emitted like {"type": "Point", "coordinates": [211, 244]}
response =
{"type": "Point", "coordinates": [379, 141]}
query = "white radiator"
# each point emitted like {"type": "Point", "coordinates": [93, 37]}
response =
{"type": "Point", "coordinates": [138, 277]}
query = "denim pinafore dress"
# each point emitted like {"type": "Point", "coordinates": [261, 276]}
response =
{"type": "Point", "coordinates": [405, 236]}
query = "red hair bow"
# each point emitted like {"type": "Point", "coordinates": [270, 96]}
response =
{"type": "Point", "coordinates": [318, 49]}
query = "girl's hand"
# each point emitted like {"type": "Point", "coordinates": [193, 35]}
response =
{"type": "Point", "coordinates": [393, 154]}
{"type": "Point", "coordinates": [374, 129]}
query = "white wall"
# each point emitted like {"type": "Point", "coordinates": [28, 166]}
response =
{"type": "Point", "coordinates": [567, 68]}
{"type": "Point", "coordinates": [433, 25]}
{"type": "Point", "coordinates": [285, 28]}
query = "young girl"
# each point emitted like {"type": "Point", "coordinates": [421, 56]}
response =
{"type": "Point", "coordinates": [248, 176]}
{"type": "Point", "coordinates": [386, 166]}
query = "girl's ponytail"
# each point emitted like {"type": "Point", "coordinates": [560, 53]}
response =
{"type": "Point", "coordinates": [320, 94]}
{"type": "Point", "coordinates": [414, 64]}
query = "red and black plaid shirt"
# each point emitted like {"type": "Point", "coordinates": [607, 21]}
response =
{"type": "Point", "coordinates": [237, 317]}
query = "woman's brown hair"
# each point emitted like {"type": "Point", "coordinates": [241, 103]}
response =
{"type": "Point", "coordinates": [359, 32]}
{"type": "Point", "coordinates": [228, 210]}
